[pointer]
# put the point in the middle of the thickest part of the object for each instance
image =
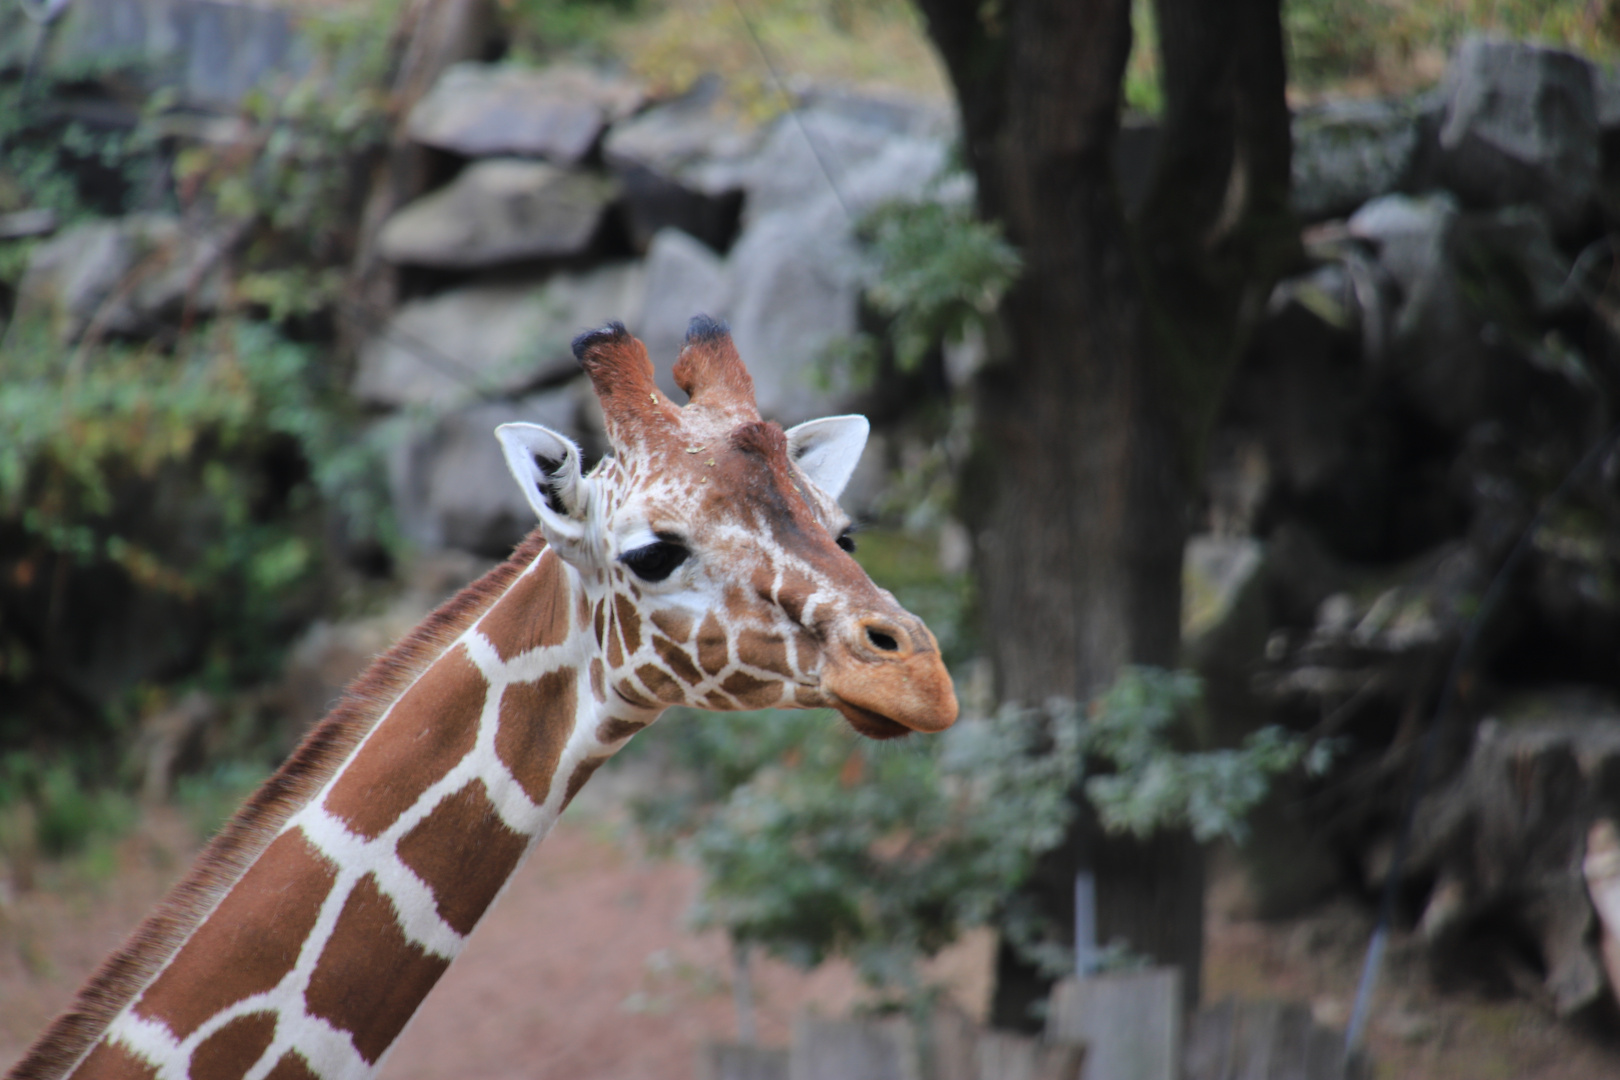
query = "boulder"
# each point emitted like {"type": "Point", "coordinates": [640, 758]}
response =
{"type": "Point", "coordinates": [1515, 247]}
{"type": "Point", "coordinates": [796, 271]}
{"type": "Point", "coordinates": [1505, 840]}
{"type": "Point", "coordinates": [819, 153]}
{"type": "Point", "coordinates": [451, 485]}
{"type": "Point", "coordinates": [681, 165]}
{"type": "Point", "coordinates": [1436, 350]}
{"type": "Point", "coordinates": [1520, 124]}
{"type": "Point", "coordinates": [491, 339]}
{"type": "Point", "coordinates": [684, 278]}
{"type": "Point", "coordinates": [210, 53]}
{"type": "Point", "coordinates": [121, 276]}
{"type": "Point", "coordinates": [1347, 152]}
{"type": "Point", "coordinates": [795, 289]}
{"type": "Point", "coordinates": [1224, 618]}
{"type": "Point", "coordinates": [499, 210]}
{"type": "Point", "coordinates": [486, 110]}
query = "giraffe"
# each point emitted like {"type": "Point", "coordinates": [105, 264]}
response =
{"type": "Point", "coordinates": [705, 564]}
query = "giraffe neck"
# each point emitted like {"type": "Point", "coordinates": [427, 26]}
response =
{"type": "Point", "coordinates": [316, 954]}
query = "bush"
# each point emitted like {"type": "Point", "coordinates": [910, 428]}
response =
{"type": "Point", "coordinates": [817, 843]}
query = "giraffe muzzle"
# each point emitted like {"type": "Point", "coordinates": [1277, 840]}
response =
{"type": "Point", "coordinates": [886, 677]}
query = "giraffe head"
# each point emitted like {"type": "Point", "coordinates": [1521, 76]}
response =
{"type": "Point", "coordinates": [713, 551]}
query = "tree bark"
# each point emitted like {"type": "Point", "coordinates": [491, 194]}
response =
{"type": "Point", "coordinates": [1118, 338]}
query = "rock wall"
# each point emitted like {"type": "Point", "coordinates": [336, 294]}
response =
{"type": "Point", "coordinates": [1410, 402]}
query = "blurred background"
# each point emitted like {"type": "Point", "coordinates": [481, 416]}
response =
{"type": "Point", "coordinates": [1243, 381]}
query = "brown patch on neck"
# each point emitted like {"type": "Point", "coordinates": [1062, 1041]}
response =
{"type": "Point", "coordinates": [663, 687]}
{"type": "Point", "coordinates": [464, 852]}
{"type": "Point", "coordinates": [108, 1061]}
{"type": "Point", "coordinates": [249, 943]}
{"type": "Point", "coordinates": [613, 729]}
{"type": "Point", "coordinates": [292, 1066]}
{"type": "Point", "coordinates": [534, 612]}
{"type": "Point", "coordinates": [582, 772]}
{"type": "Point", "coordinates": [432, 728]}
{"type": "Point", "coordinates": [751, 692]}
{"type": "Point", "coordinates": [370, 978]}
{"type": "Point", "coordinates": [247, 835]}
{"type": "Point", "coordinates": [231, 1051]}
{"type": "Point", "coordinates": [536, 720]}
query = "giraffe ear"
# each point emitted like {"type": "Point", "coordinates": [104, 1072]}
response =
{"type": "Point", "coordinates": [827, 450]}
{"type": "Point", "coordinates": [547, 468]}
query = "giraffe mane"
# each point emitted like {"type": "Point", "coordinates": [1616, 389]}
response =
{"type": "Point", "coordinates": [244, 838]}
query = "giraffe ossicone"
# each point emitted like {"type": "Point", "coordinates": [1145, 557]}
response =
{"type": "Point", "coordinates": [705, 563]}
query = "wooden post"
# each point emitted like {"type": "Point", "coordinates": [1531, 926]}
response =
{"type": "Point", "coordinates": [725, 1061]}
{"type": "Point", "coordinates": [1130, 1023]}
{"type": "Point", "coordinates": [853, 1050]}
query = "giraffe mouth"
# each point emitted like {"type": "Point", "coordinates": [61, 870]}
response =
{"type": "Point", "coordinates": [872, 725]}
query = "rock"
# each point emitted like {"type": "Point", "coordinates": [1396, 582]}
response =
{"type": "Point", "coordinates": [1224, 620]}
{"type": "Point", "coordinates": [499, 210]}
{"type": "Point", "coordinates": [485, 110]}
{"type": "Point", "coordinates": [794, 290]}
{"type": "Point", "coordinates": [1436, 351]}
{"type": "Point", "coordinates": [492, 339]}
{"type": "Point", "coordinates": [1515, 247]}
{"type": "Point", "coordinates": [795, 270]}
{"type": "Point", "coordinates": [682, 165]}
{"type": "Point", "coordinates": [451, 485]}
{"type": "Point", "coordinates": [1347, 152]}
{"type": "Point", "coordinates": [1521, 125]}
{"type": "Point", "coordinates": [21, 224]}
{"type": "Point", "coordinates": [684, 278]}
{"type": "Point", "coordinates": [1507, 838]}
{"type": "Point", "coordinates": [209, 52]}
{"type": "Point", "coordinates": [1601, 868]}
{"type": "Point", "coordinates": [121, 276]}
{"type": "Point", "coordinates": [822, 153]}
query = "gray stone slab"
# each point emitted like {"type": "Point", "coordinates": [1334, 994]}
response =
{"type": "Point", "coordinates": [499, 210]}
{"type": "Point", "coordinates": [1521, 125]}
{"type": "Point", "coordinates": [211, 52]}
{"type": "Point", "coordinates": [556, 113]}
{"type": "Point", "coordinates": [500, 338]}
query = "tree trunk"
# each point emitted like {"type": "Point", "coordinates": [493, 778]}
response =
{"type": "Point", "coordinates": [1118, 338]}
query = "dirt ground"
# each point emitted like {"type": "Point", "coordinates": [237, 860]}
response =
{"type": "Point", "coordinates": [585, 970]}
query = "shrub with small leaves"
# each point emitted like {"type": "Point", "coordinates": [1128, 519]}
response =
{"type": "Point", "coordinates": [816, 843]}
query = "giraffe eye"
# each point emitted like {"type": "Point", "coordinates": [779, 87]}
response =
{"type": "Point", "coordinates": [656, 561]}
{"type": "Point", "coordinates": [846, 541]}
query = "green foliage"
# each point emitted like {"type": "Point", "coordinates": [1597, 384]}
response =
{"type": "Point", "coordinates": [935, 271]}
{"type": "Point", "coordinates": [47, 807]}
{"type": "Point", "coordinates": [545, 28]}
{"type": "Point", "coordinates": [1400, 42]}
{"type": "Point", "coordinates": [816, 843]}
{"type": "Point", "coordinates": [1152, 785]}
{"type": "Point", "coordinates": [1144, 93]}
{"type": "Point", "coordinates": [233, 433]}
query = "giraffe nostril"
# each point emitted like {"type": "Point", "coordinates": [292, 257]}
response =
{"type": "Point", "coordinates": [881, 640]}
